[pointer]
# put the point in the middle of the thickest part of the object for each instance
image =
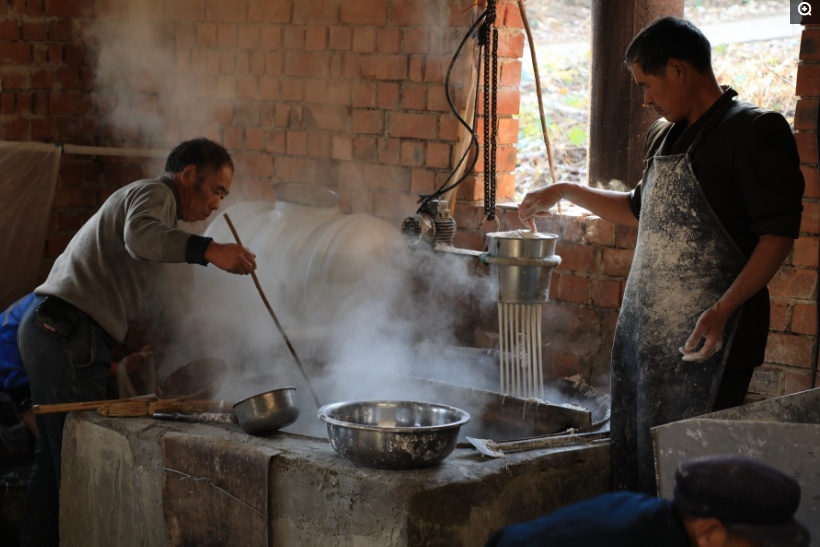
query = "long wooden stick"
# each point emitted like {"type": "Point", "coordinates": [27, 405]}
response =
{"type": "Point", "coordinates": [273, 315]}
{"type": "Point", "coordinates": [531, 41]}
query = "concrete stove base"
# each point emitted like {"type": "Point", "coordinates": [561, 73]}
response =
{"type": "Point", "coordinates": [116, 484]}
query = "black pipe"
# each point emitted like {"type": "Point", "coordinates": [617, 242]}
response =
{"type": "Point", "coordinates": [816, 349]}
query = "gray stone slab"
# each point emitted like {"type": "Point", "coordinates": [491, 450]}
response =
{"type": "Point", "coordinates": [779, 431]}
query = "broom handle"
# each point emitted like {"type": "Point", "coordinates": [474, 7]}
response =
{"type": "Point", "coordinates": [273, 315]}
{"type": "Point", "coordinates": [83, 405]}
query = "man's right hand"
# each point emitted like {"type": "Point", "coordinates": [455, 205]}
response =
{"type": "Point", "coordinates": [539, 202]}
{"type": "Point", "coordinates": [231, 257]}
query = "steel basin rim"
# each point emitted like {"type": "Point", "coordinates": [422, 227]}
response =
{"type": "Point", "coordinates": [463, 418]}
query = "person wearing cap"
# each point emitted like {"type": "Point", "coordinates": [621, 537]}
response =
{"type": "Point", "coordinates": [719, 501]}
{"type": "Point", "coordinates": [717, 211]}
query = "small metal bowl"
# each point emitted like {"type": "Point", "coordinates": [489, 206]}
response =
{"type": "Point", "coordinates": [393, 434]}
{"type": "Point", "coordinates": [267, 412]}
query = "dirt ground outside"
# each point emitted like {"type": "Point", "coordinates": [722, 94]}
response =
{"type": "Point", "coordinates": [762, 71]}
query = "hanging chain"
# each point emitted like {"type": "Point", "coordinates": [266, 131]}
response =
{"type": "Point", "coordinates": [490, 43]}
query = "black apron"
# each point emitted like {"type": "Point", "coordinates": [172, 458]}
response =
{"type": "Point", "coordinates": [684, 261]}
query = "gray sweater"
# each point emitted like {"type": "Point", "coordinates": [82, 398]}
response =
{"type": "Point", "coordinates": [111, 263]}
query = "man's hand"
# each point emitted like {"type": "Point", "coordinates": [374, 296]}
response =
{"type": "Point", "coordinates": [709, 329]}
{"type": "Point", "coordinates": [231, 257]}
{"type": "Point", "coordinates": [538, 203]}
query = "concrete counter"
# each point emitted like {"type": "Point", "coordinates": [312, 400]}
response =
{"type": "Point", "coordinates": [145, 482]}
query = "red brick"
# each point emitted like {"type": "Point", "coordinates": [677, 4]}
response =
{"type": "Point", "coordinates": [387, 95]}
{"type": "Point", "coordinates": [33, 31]}
{"type": "Point", "coordinates": [13, 78]}
{"type": "Point", "coordinates": [789, 349]}
{"type": "Point", "coordinates": [306, 65]}
{"type": "Point", "coordinates": [810, 45]}
{"type": "Point", "coordinates": [413, 96]}
{"type": "Point", "coordinates": [9, 29]}
{"type": "Point", "coordinates": [316, 38]}
{"type": "Point", "coordinates": [808, 80]}
{"type": "Point", "coordinates": [438, 155]}
{"type": "Point", "coordinates": [389, 151]}
{"type": "Point", "coordinates": [67, 78]}
{"type": "Point", "coordinates": [807, 144]}
{"type": "Point", "coordinates": [793, 283]}
{"type": "Point", "coordinates": [794, 382]}
{"type": "Point", "coordinates": [805, 252]}
{"type": "Point", "coordinates": [69, 103]}
{"type": "Point", "coordinates": [341, 38]}
{"type": "Point", "coordinates": [449, 128]}
{"type": "Point", "coordinates": [507, 131]}
{"type": "Point", "coordinates": [412, 153]}
{"type": "Point", "coordinates": [364, 40]}
{"type": "Point", "coordinates": [226, 12]}
{"type": "Point", "coordinates": [510, 74]}
{"type": "Point", "coordinates": [420, 126]}
{"type": "Point", "coordinates": [810, 221]}
{"type": "Point", "coordinates": [510, 15]}
{"type": "Point", "coordinates": [271, 38]}
{"type": "Point", "coordinates": [416, 68]}
{"type": "Point", "coordinates": [319, 145]}
{"type": "Point", "coordinates": [598, 231]}
{"type": "Point", "coordinates": [338, 92]}
{"type": "Point", "coordinates": [812, 177]}
{"type": "Point", "coordinates": [265, 11]}
{"type": "Point", "coordinates": [365, 149]}
{"type": "Point", "coordinates": [573, 289]}
{"type": "Point", "coordinates": [804, 319]}
{"type": "Point", "coordinates": [779, 316]}
{"type": "Point", "coordinates": [68, 8]}
{"type": "Point", "coordinates": [297, 143]}
{"type": "Point", "coordinates": [384, 67]}
{"type": "Point", "coordinates": [606, 294]}
{"type": "Point", "coordinates": [365, 12]}
{"type": "Point", "coordinates": [292, 90]}
{"type": "Point", "coordinates": [422, 181]}
{"type": "Point", "coordinates": [367, 121]}
{"type": "Point", "coordinates": [18, 129]}
{"type": "Point", "coordinates": [414, 40]}
{"type": "Point", "coordinates": [617, 262]}
{"type": "Point", "coordinates": [15, 54]}
{"type": "Point", "coordinates": [413, 13]}
{"type": "Point", "coordinates": [577, 258]}
{"type": "Point", "coordinates": [805, 115]}
{"type": "Point", "coordinates": [388, 40]}
{"type": "Point", "coordinates": [328, 117]}
{"type": "Point", "coordinates": [294, 38]}
{"type": "Point", "coordinates": [511, 43]}
{"type": "Point", "coordinates": [363, 94]}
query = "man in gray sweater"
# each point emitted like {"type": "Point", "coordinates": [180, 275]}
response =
{"type": "Point", "coordinates": [83, 308]}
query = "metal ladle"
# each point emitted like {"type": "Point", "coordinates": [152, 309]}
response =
{"type": "Point", "coordinates": [275, 320]}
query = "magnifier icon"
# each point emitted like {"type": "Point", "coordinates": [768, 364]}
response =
{"type": "Point", "coordinates": [804, 9]}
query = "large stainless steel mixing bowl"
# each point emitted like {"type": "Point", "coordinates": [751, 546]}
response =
{"type": "Point", "coordinates": [393, 434]}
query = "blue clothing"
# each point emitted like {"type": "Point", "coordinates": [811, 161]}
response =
{"type": "Point", "coordinates": [12, 373]}
{"type": "Point", "coordinates": [616, 519]}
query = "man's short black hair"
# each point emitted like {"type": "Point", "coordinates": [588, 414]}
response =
{"type": "Point", "coordinates": [669, 38]}
{"type": "Point", "coordinates": [205, 154]}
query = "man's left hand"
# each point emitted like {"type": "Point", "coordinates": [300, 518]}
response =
{"type": "Point", "coordinates": [708, 331]}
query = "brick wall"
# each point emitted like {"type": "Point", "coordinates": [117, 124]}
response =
{"type": "Point", "coordinates": [349, 95]}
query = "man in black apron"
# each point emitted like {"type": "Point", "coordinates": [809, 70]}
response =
{"type": "Point", "coordinates": [717, 211]}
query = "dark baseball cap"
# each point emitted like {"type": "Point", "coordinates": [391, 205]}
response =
{"type": "Point", "coordinates": [747, 495]}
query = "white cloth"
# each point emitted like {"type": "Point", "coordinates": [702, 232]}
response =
{"type": "Point", "coordinates": [28, 178]}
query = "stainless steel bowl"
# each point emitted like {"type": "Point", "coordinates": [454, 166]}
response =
{"type": "Point", "coordinates": [267, 412]}
{"type": "Point", "coordinates": [393, 434]}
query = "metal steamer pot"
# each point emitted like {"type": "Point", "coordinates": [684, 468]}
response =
{"type": "Point", "coordinates": [267, 412]}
